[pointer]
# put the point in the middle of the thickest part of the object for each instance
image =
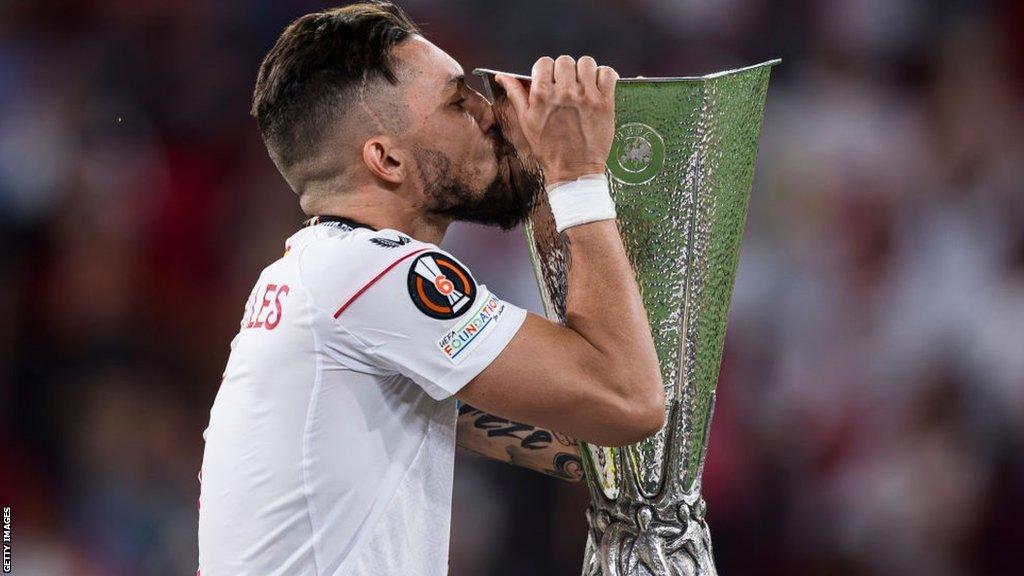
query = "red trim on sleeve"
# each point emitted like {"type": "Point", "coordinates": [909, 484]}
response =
{"type": "Point", "coordinates": [374, 280]}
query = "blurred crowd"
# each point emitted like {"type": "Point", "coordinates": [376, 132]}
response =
{"type": "Point", "coordinates": [870, 408]}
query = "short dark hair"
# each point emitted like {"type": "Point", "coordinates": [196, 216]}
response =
{"type": "Point", "coordinates": [306, 80]}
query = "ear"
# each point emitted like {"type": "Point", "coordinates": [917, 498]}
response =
{"type": "Point", "coordinates": [384, 159]}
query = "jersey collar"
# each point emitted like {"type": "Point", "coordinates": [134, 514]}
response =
{"type": "Point", "coordinates": [339, 219]}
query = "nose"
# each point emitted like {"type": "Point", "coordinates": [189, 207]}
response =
{"type": "Point", "coordinates": [481, 110]}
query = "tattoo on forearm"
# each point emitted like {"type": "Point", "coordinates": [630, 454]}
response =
{"type": "Point", "coordinates": [530, 437]}
{"type": "Point", "coordinates": [563, 465]}
{"type": "Point", "coordinates": [563, 439]}
{"type": "Point", "coordinates": [567, 466]}
{"type": "Point", "coordinates": [499, 427]}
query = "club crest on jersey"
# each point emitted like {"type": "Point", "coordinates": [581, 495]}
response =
{"type": "Point", "coordinates": [387, 242]}
{"type": "Point", "coordinates": [440, 287]}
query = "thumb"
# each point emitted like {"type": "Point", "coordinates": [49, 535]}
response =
{"type": "Point", "coordinates": [516, 92]}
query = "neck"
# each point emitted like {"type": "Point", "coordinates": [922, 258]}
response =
{"type": "Point", "coordinates": [377, 207]}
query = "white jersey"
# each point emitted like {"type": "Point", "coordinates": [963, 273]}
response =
{"type": "Point", "coordinates": [331, 444]}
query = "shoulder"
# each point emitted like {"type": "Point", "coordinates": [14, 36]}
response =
{"type": "Point", "coordinates": [339, 266]}
{"type": "Point", "coordinates": [437, 284]}
{"type": "Point", "coordinates": [330, 249]}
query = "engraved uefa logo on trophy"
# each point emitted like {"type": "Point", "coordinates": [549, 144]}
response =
{"type": "Point", "coordinates": [681, 168]}
{"type": "Point", "coordinates": [637, 155]}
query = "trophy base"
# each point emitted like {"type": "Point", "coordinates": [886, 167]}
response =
{"type": "Point", "coordinates": [643, 538]}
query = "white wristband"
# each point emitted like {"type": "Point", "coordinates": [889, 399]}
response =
{"type": "Point", "coordinates": [586, 199]}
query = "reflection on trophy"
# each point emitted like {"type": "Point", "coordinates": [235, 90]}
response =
{"type": "Point", "coordinates": [681, 168]}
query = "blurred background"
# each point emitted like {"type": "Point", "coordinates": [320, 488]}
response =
{"type": "Point", "coordinates": [871, 401]}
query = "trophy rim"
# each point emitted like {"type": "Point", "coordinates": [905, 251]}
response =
{"type": "Point", "coordinates": [768, 63]}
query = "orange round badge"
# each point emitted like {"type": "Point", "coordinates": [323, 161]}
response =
{"type": "Point", "coordinates": [439, 286]}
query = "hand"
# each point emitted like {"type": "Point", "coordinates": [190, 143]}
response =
{"type": "Point", "coordinates": [568, 116]}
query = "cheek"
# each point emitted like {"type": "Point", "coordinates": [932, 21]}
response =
{"type": "Point", "coordinates": [472, 139]}
{"type": "Point", "coordinates": [462, 141]}
{"type": "Point", "coordinates": [478, 152]}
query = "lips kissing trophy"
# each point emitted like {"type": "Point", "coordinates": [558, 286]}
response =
{"type": "Point", "coordinates": [680, 168]}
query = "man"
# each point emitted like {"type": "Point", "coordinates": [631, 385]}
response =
{"type": "Point", "coordinates": [330, 448]}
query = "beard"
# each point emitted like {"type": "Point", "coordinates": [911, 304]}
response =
{"type": "Point", "coordinates": [506, 202]}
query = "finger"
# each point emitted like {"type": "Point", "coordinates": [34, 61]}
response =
{"type": "Point", "coordinates": [586, 69]}
{"type": "Point", "coordinates": [542, 78]}
{"type": "Point", "coordinates": [543, 72]}
{"type": "Point", "coordinates": [565, 74]}
{"type": "Point", "coordinates": [606, 79]}
{"type": "Point", "coordinates": [516, 92]}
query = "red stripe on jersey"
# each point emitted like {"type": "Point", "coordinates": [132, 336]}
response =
{"type": "Point", "coordinates": [374, 280]}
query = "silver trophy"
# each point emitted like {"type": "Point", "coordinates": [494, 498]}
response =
{"type": "Point", "coordinates": [681, 168]}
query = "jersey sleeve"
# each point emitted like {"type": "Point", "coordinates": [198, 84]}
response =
{"type": "Point", "coordinates": [422, 314]}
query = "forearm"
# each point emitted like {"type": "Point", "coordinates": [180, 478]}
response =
{"type": "Point", "coordinates": [604, 306]}
{"type": "Point", "coordinates": [523, 445]}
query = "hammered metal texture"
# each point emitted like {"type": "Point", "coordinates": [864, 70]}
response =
{"type": "Point", "coordinates": [681, 169]}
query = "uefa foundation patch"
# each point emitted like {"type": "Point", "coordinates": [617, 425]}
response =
{"type": "Point", "coordinates": [440, 287]}
{"type": "Point", "coordinates": [457, 342]}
